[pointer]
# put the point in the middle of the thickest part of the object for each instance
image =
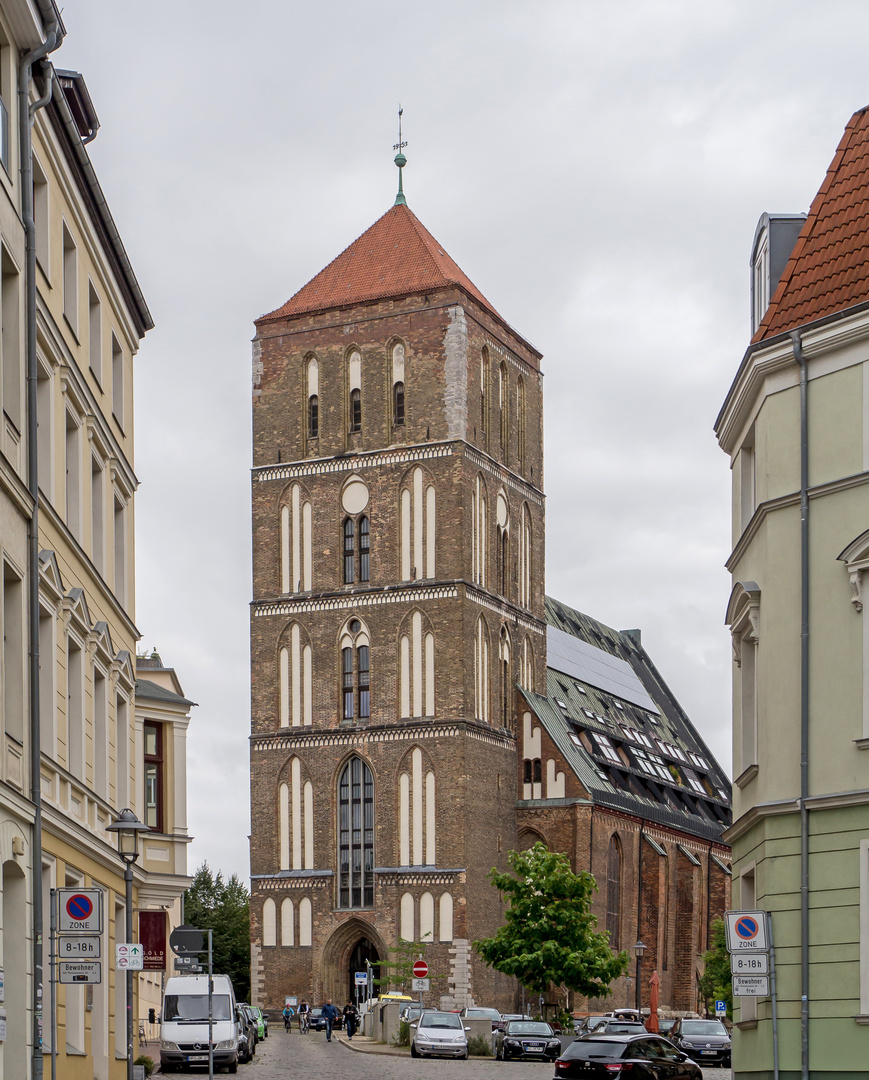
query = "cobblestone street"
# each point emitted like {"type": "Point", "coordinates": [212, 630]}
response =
{"type": "Point", "coordinates": [310, 1057]}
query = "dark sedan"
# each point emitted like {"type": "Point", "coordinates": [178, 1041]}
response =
{"type": "Point", "coordinates": [317, 1021]}
{"type": "Point", "coordinates": [533, 1040]}
{"type": "Point", "coordinates": [636, 1057]}
{"type": "Point", "coordinates": [706, 1041]}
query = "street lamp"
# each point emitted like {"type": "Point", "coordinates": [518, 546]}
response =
{"type": "Point", "coordinates": [128, 827]}
{"type": "Point", "coordinates": [639, 949]}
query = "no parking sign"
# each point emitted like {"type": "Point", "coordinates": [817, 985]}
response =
{"type": "Point", "coordinates": [80, 911]}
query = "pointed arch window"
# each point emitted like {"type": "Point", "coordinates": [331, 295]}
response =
{"type": "Point", "coordinates": [520, 422]}
{"type": "Point", "coordinates": [613, 887]}
{"type": "Point", "coordinates": [506, 687]}
{"type": "Point", "coordinates": [349, 551]}
{"type": "Point", "coordinates": [355, 674]}
{"type": "Point", "coordinates": [313, 399]}
{"type": "Point", "coordinates": [484, 391]}
{"type": "Point", "coordinates": [356, 835]}
{"type": "Point", "coordinates": [355, 387]}
{"type": "Point", "coordinates": [364, 549]}
{"type": "Point", "coordinates": [503, 403]}
{"type": "Point", "coordinates": [398, 404]}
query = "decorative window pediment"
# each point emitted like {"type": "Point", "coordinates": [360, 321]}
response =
{"type": "Point", "coordinates": [743, 616]}
{"type": "Point", "coordinates": [49, 575]}
{"type": "Point", "coordinates": [856, 560]}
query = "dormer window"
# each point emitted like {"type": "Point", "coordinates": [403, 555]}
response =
{"type": "Point", "coordinates": [774, 240]}
{"type": "Point", "coordinates": [760, 280]}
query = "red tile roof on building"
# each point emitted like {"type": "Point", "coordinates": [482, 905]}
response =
{"type": "Point", "coordinates": [828, 270]}
{"type": "Point", "coordinates": [397, 256]}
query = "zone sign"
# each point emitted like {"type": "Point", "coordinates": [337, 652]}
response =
{"type": "Point", "coordinates": [420, 969]}
{"type": "Point", "coordinates": [80, 911]}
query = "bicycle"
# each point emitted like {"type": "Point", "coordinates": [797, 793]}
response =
{"type": "Point", "coordinates": [288, 1023]}
{"type": "Point", "coordinates": [303, 1023]}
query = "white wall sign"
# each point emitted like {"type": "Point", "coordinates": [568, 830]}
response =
{"type": "Point", "coordinates": [751, 986]}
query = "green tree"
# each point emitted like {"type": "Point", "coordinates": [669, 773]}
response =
{"type": "Point", "coordinates": [222, 906]}
{"type": "Point", "coordinates": [549, 933]}
{"type": "Point", "coordinates": [397, 972]}
{"type": "Point", "coordinates": [715, 982]}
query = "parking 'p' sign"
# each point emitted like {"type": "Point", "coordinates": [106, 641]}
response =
{"type": "Point", "coordinates": [746, 931]}
{"type": "Point", "coordinates": [80, 911]}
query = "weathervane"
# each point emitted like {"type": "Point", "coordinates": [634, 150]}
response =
{"type": "Point", "coordinates": [400, 161]}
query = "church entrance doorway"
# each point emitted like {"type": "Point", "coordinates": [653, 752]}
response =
{"type": "Point", "coordinates": [346, 951]}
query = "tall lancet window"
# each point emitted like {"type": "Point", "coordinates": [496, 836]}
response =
{"type": "Point", "coordinates": [356, 836]}
{"type": "Point", "coordinates": [355, 673]}
{"type": "Point", "coordinates": [398, 385]}
{"type": "Point", "coordinates": [313, 399]}
{"type": "Point", "coordinates": [354, 374]}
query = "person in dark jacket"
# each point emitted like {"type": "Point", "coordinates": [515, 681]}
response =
{"type": "Point", "coordinates": [330, 1015]}
{"type": "Point", "coordinates": [351, 1019]}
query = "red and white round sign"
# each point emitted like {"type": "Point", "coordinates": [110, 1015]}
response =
{"type": "Point", "coordinates": [420, 969]}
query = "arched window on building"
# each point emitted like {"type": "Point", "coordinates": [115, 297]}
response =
{"type": "Point", "coordinates": [504, 560]}
{"type": "Point", "coordinates": [349, 551]}
{"type": "Point", "coordinates": [478, 524]}
{"type": "Point", "coordinates": [520, 423]}
{"type": "Point", "coordinates": [525, 557]}
{"type": "Point", "coordinates": [503, 403]}
{"type": "Point", "coordinates": [506, 682]}
{"type": "Point", "coordinates": [364, 549]}
{"type": "Point", "coordinates": [484, 394]}
{"type": "Point", "coordinates": [397, 385]}
{"type": "Point", "coordinates": [481, 672]}
{"type": "Point", "coordinates": [356, 835]}
{"type": "Point", "coordinates": [416, 668]}
{"type": "Point", "coordinates": [613, 888]}
{"type": "Point", "coordinates": [417, 521]}
{"type": "Point", "coordinates": [296, 550]}
{"type": "Point", "coordinates": [354, 373]}
{"type": "Point", "coordinates": [313, 374]}
{"type": "Point", "coordinates": [269, 923]}
{"type": "Point", "coordinates": [355, 673]}
{"type": "Point", "coordinates": [287, 930]}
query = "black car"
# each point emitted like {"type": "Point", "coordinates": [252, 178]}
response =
{"type": "Point", "coordinates": [533, 1040]}
{"type": "Point", "coordinates": [317, 1021]}
{"type": "Point", "coordinates": [636, 1057]}
{"type": "Point", "coordinates": [706, 1041]}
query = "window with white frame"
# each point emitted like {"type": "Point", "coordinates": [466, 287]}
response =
{"type": "Point", "coordinates": [119, 387]}
{"type": "Point", "coordinates": [12, 667]}
{"type": "Point", "coordinates": [11, 355]}
{"type": "Point", "coordinates": [743, 618]}
{"type": "Point", "coordinates": [856, 560]}
{"type": "Point", "coordinates": [40, 215]}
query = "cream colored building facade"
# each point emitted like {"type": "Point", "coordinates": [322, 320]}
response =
{"type": "Point", "coordinates": [90, 317]}
{"type": "Point", "coordinates": [795, 424]}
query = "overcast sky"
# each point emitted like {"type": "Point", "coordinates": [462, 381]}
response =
{"type": "Point", "coordinates": [596, 168]}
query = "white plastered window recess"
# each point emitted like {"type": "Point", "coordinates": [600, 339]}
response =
{"type": "Point", "coordinates": [856, 560]}
{"type": "Point", "coordinates": [863, 1017]}
{"type": "Point", "coordinates": [743, 618]}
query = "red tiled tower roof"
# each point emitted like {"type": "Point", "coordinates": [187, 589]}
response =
{"type": "Point", "coordinates": [395, 257]}
{"type": "Point", "coordinates": [828, 270]}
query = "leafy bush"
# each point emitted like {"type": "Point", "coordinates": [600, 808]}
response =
{"type": "Point", "coordinates": [403, 1036]}
{"type": "Point", "coordinates": [479, 1046]}
{"type": "Point", "coordinates": [149, 1063]}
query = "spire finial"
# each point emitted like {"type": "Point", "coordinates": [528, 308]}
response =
{"type": "Point", "coordinates": [400, 161]}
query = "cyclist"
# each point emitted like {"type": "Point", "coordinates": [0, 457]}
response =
{"type": "Point", "coordinates": [304, 1017]}
{"type": "Point", "coordinates": [287, 1014]}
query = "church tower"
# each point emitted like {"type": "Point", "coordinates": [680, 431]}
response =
{"type": "Point", "coordinates": [398, 539]}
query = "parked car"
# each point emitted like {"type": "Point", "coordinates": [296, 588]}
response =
{"type": "Point", "coordinates": [590, 1023]}
{"type": "Point", "coordinates": [507, 1017]}
{"type": "Point", "coordinates": [638, 1057]}
{"type": "Point", "coordinates": [612, 1026]}
{"type": "Point", "coordinates": [184, 1023]}
{"type": "Point", "coordinates": [247, 1033]}
{"type": "Point", "coordinates": [262, 1028]}
{"type": "Point", "coordinates": [665, 1025]}
{"type": "Point", "coordinates": [410, 1013]}
{"type": "Point", "coordinates": [706, 1041]}
{"type": "Point", "coordinates": [439, 1034]}
{"type": "Point", "coordinates": [530, 1039]}
{"type": "Point", "coordinates": [317, 1021]}
{"type": "Point", "coordinates": [473, 1012]}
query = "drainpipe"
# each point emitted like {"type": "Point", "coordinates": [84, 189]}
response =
{"type": "Point", "coordinates": [53, 38]}
{"type": "Point", "coordinates": [804, 702]}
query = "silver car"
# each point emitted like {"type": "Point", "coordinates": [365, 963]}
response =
{"type": "Point", "coordinates": [439, 1034]}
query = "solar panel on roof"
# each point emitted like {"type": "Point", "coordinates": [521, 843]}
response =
{"type": "Point", "coordinates": [579, 660]}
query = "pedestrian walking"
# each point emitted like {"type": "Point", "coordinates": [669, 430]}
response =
{"type": "Point", "coordinates": [330, 1015]}
{"type": "Point", "coordinates": [351, 1019]}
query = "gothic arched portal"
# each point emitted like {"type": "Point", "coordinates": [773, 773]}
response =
{"type": "Point", "coordinates": [346, 951]}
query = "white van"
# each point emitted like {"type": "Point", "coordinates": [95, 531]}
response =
{"type": "Point", "coordinates": [184, 1023]}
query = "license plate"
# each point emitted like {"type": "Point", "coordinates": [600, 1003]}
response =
{"type": "Point", "coordinates": [534, 1049]}
{"type": "Point", "coordinates": [197, 1057]}
{"type": "Point", "coordinates": [708, 1051]}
